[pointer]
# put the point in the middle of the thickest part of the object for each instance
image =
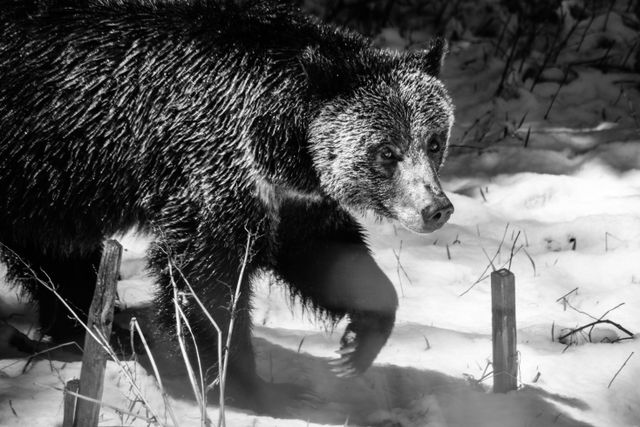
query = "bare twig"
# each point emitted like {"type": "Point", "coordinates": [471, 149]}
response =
{"type": "Point", "coordinates": [527, 137]}
{"type": "Point", "coordinates": [426, 342]}
{"type": "Point", "coordinates": [549, 54]}
{"type": "Point", "coordinates": [628, 55]}
{"type": "Point", "coordinates": [180, 317]}
{"type": "Point", "coordinates": [95, 334]}
{"type": "Point", "coordinates": [567, 294]}
{"type": "Point", "coordinates": [400, 268]}
{"type": "Point", "coordinates": [606, 19]}
{"type": "Point", "coordinates": [473, 125]}
{"type": "Point", "coordinates": [501, 36]}
{"type": "Point", "coordinates": [555, 95]}
{"type": "Point", "coordinates": [509, 63]}
{"type": "Point", "coordinates": [602, 317]}
{"type": "Point", "coordinates": [40, 353]}
{"type": "Point", "coordinates": [152, 420]}
{"type": "Point", "coordinates": [134, 325]}
{"type": "Point", "coordinates": [480, 279]}
{"type": "Point", "coordinates": [581, 328]}
{"type": "Point", "coordinates": [606, 240]}
{"type": "Point", "coordinates": [493, 267]}
{"type": "Point", "coordinates": [611, 309]}
{"type": "Point", "coordinates": [533, 264]}
{"type": "Point", "coordinates": [522, 119]}
{"type": "Point", "coordinates": [485, 374]}
{"type": "Point", "coordinates": [513, 246]}
{"type": "Point", "coordinates": [566, 302]}
{"type": "Point", "coordinates": [232, 321]}
{"type": "Point", "coordinates": [198, 301]}
{"type": "Point", "coordinates": [623, 365]}
{"type": "Point", "coordinates": [584, 33]}
{"type": "Point", "coordinates": [201, 374]}
{"type": "Point", "coordinates": [491, 264]}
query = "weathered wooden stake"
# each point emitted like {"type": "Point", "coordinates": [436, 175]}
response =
{"type": "Point", "coordinates": [100, 318]}
{"type": "Point", "coordinates": [69, 409]}
{"type": "Point", "coordinates": [503, 310]}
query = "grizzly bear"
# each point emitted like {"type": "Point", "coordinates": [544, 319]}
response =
{"type": "Point", "coordinates": [202, 122]}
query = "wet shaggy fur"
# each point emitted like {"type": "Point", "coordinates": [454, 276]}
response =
{"type": "Point", "coordinates": [202, 121]}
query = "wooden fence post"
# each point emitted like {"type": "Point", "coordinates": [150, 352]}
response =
{"type": "Point", "coordinates": [69, 409]}
{"type": "Point", "coordinates": [503, 311]}
{"type": "Point", "coordinates": [100, 318]}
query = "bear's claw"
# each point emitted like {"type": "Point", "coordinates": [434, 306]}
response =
{"type": "Point", "coordinates": [347, 374]}
{"type": "Point", "coordinates": [346, 350]}
{"type": "Point", "coordinates": [339, 362]}
{"type": "Point", "coordinates": [346, 366]}
{"type": "Point", "coordinates": [343, 367]}
{"type": "Point", "coordinates": [362, 340]}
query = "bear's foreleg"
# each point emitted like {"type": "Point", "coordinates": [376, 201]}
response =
{"type": "Point", "coordinates": [322, 255]}
{"type": "Point", "coordinates": [72, 274]}
{"type": "Point", "coordinates": [213, 277]}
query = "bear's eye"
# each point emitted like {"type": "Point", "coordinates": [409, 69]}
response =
{"type": "Point", "coordinates": [434, 146]}
{"type": "Point", "coordinates": [387, 155]}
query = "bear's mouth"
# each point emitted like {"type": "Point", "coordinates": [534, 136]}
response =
{"type": "Point", "coordinates": [421, 229]}
{"type": "Point", "coordinates": [426, 220]}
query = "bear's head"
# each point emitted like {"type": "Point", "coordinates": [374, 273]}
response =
{"type": "Point", "coordinates": [381, 135]}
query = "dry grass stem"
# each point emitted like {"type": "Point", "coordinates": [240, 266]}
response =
{"type": "Point", "coordinates": [135, 326]}
{"type": "Point", "coordinates": [623, 365]}
{"type": "Point", "coordinates": [95, 334]}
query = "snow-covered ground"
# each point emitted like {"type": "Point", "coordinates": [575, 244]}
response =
{"type": "Point", "coordinates": [561, 194]}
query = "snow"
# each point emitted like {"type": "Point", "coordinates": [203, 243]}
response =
{"type": "Point", "coordinates": [568, 206]}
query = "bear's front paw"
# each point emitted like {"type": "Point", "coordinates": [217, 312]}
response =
{"type": "Point", "coordinates": [362, 340]}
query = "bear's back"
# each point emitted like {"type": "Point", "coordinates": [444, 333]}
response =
{"type": "Point", "coordinates": [259, 27]}
{"type": "Point", "coordinates": [105, 102]}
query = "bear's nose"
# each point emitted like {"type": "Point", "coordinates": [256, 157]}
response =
{"type": "Point", "coordinates": [437, 214]}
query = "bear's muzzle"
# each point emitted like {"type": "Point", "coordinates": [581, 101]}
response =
{"type": "Point", "coordinates": [420, 204]}
{"type": "Point", "coordinates": [437, 214]}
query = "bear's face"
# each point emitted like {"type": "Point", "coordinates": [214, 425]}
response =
{"type": "Point", "coordinates": [381, 146]}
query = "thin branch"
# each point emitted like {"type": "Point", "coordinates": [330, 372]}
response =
{"type": "Point", "coordinates": [231, 323]}
{"type": "Point", "coordinates": [513, 246]}
{"type": "Point", "coordinates": [493, 267]}
{"type": "Point", "coordinates": [623, 365]}
{"type": "Point", "coordinates": [581, 328]}
{"type": "Point", "coordinates": [211, 320]}
{"type": "Point", "coordinates": [103, 404]}
{"type": "Point", "coordinates": [179, 315]}
{"type": "Point", "coordinates": [136, 326]}
{"type": "Point", "coordinates": [567, 294]}
{"type": "Point", "coordinates": [610, 310]}
{"type": "Point", "coordinates": [482, 275]}
{"type": "Point", "coordinates": [602, 317]}
{"type": "Point", "coordinates": [95, 334]}
{"type": "Point", "coordinates": [533, 264]}
{"type": "Point", "coordinates": [579, 311]}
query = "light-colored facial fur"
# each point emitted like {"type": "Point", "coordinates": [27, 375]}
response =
{"type": "Point", "coordinates": [381, 148]}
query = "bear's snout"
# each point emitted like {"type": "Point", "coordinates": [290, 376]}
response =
{"type": "Point", "coordinates": [437, 214]}
{"type": "Point", "coordinates": [426, 219]}
{"type": "Point", "coordinates": [420, 204]}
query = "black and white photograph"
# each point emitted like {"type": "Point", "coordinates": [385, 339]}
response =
{"type": "Point", "coordinates": [298, 213]}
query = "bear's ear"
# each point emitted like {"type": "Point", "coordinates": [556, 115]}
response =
{"type": "Point", "coordinates": [324, 76]}
{"type": "Point", "coordinates": [431, 59]}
